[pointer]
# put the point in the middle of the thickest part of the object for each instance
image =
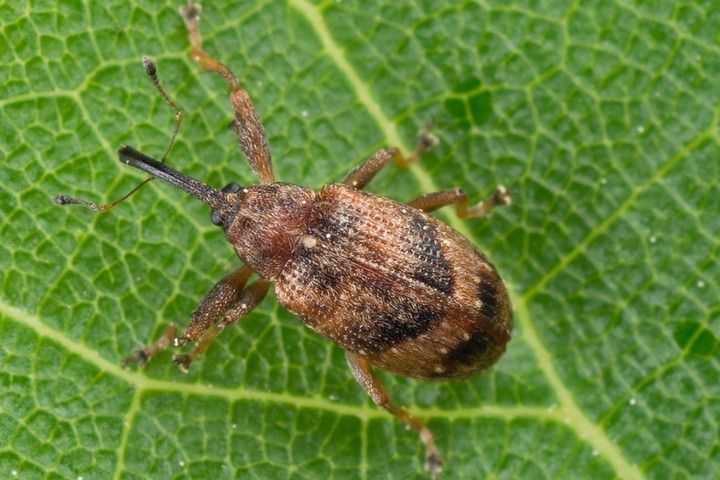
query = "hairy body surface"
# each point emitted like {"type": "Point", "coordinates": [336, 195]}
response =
{"type": "Point", "coordinates": [392, 283]}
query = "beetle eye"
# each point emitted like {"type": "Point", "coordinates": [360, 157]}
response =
{"type": "Point", "coordinates": [215, 218]}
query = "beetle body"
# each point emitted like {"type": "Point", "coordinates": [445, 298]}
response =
{"type": "Point", "coordinates": [394, 287]}
{"type": "Point", "coordinates": [379, 278]}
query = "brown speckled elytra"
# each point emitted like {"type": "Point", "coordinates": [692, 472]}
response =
{"type": "Point", "coordinates": [394, 287]}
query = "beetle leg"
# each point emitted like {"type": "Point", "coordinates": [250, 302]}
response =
{"type": "Point", "coordinates": [246, 125]}
{"type": "Point", "coordinates": [435, 200]}
{"type": "Point", "coordinates": [226, 302]}
{"type": "Point", "coordinates": [143, 355]}
{"type": "Point", "coordinates": [364, 173]}
{"type": "Point", "coordinates": [361, 370]}
{"type": "Point", "coordinates": [248, 300]}
{"type": "Point", "coordinates": [426, 140]}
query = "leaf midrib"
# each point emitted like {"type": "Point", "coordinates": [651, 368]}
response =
{"type": "Point", "coordinates": [147, 384]}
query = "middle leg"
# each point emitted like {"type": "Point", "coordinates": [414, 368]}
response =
{"type": "Point", "coordinates": [250, 297]}
{"type": "Point", "coordinates": [366, 171]}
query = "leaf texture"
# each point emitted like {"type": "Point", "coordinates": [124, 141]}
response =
{"type": "Point", "coordinates": [602, 118]}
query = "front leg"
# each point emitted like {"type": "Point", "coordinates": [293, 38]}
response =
{"type": "Point", "coordinates": [247, 126]}
{"type": "Point", "coordinates": [361, 370]}
{"type": "Point", "coordinates": [226, 303]}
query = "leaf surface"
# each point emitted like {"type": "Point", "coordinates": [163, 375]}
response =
{"type": "Point", "coordinates": [601, 118]}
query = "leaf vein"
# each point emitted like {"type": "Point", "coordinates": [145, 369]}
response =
{"type": "Point", "coordinates": [146, 384]}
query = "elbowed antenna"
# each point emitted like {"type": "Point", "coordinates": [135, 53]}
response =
{"type": "Point", "coordinates": [160, 170]}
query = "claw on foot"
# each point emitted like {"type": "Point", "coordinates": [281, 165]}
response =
{"type": "Point", "coordinates": [427, 138]}
{"type": "Point", "coordinates": [190, 12]}
{"type": "Point", "coordinates": [433, 464]}
{"type": "Point", "coordinates": [433, 461]}
{"type": "Point", "coordinates": [183, 362]}
{"type": "Point", "coordinates": [143, 355]}
{"type": "Point", "coordinates": [502, 196]}
{"type": "Point", "coordinates": [139, 357]}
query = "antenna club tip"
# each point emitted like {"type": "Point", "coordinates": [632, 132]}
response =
{"type": "Point", "coordinates": [149, 65]}
{"type": "Point", "coordinates": [124, 153]}
{"type": "Point", "coordinates": [61, 199]}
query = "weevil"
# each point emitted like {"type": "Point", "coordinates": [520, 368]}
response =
{"type": "Point", "coordinates": [391, 285]}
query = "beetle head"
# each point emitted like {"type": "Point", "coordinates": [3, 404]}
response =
{"type": "Point", "coordinates": [263, 222]}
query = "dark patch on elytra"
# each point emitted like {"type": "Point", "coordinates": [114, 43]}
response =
{"type": "Point", "coordinates": [380, 288]}
{"type": "Point", "coordinates": [432, 268]}
{"type": "Point", "coordinates": [468, 351]}
{"type": "Point", "coordinates": [329, 224]}
{"type": "Point", "coordinates": [375, 332]}
{"type": "Point", "coordinates": [327, 278]}
{"type": "Point", "coordinates": [487, 293]}
{"type": "Point", "coordinates": [315, 270]}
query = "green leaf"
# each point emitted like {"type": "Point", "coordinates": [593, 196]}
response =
{"type": "Point", "coordinates": [602, 118]}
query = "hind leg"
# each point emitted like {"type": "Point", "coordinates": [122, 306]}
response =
{"type": "Point", "coordinates": [361, 370]}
